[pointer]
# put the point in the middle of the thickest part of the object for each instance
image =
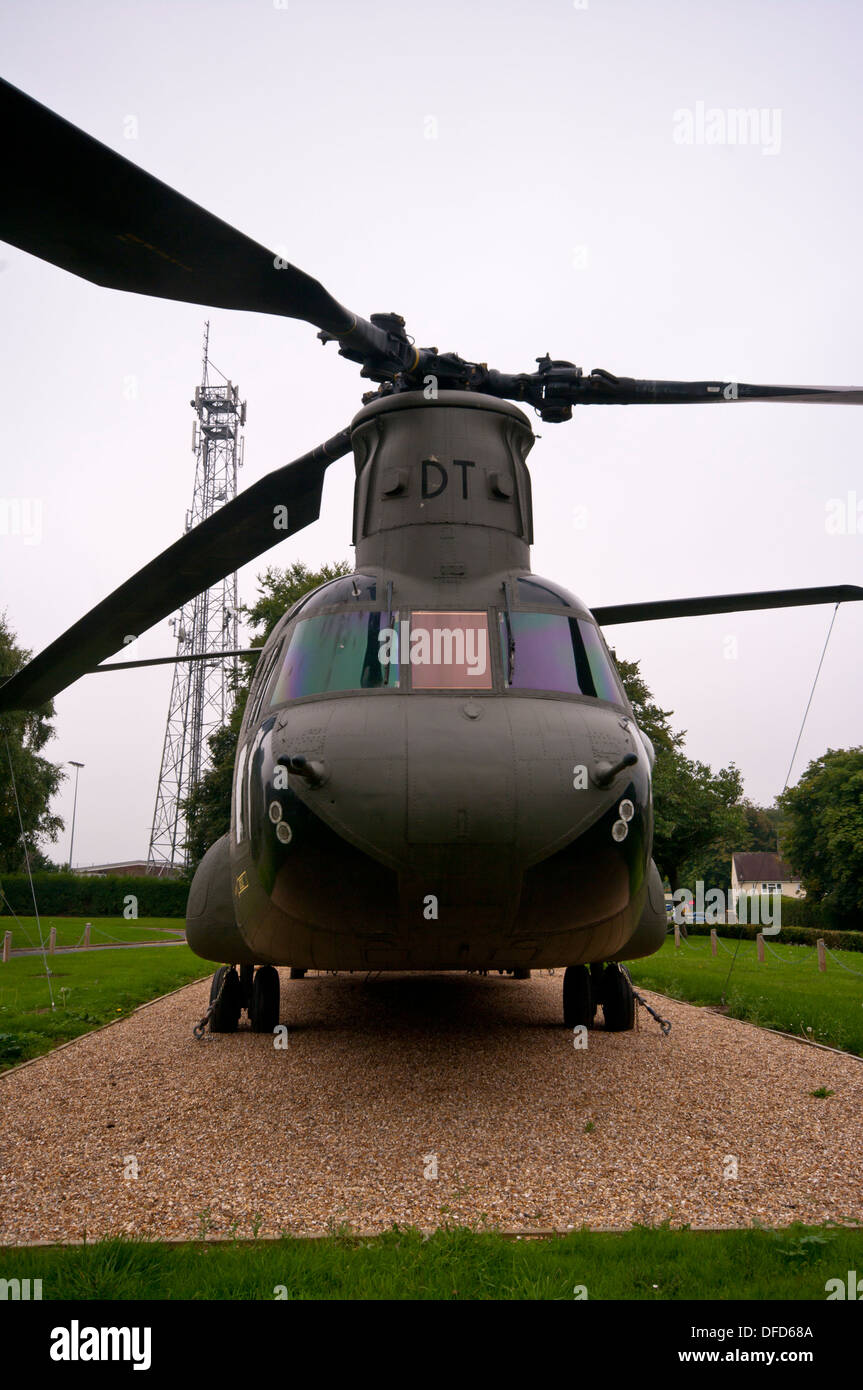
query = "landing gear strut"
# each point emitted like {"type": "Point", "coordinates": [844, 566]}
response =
{"type": "Point", "coordinates": [577, 997]}
{"type": "Point", "coordinates": [247, 975]}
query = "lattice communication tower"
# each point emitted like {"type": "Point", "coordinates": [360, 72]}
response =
{"type": "Point", "coordinates": [201, 694]}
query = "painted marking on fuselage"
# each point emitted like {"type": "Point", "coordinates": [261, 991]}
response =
{"type": "Point", "coordinates": [433, 487]}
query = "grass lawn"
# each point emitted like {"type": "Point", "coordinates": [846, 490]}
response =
{"type": "Point", "coordinates": [90, 988]}
{"type": "Point", "coordinates": [104, 930]}
{"type": "Point", "coordinates": [454, 1263]}
{"type": "Point", "coordinates": [790, 993]}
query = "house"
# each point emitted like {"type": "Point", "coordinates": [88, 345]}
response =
{"type": "Point", "coordinates": [763, 872]}
{"type": "Point", "coordinates": [135, 868]}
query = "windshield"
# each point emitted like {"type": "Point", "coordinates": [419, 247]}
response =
{"type": "Point", "coordinates": [340, 651]}
{"type": "Point", "coordinates": [557, 653]}
{"type": "Point", "coordinates": [445, 650]}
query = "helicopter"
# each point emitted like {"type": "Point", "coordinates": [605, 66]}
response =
{"type": "Point", "coordinates": [438, 767]}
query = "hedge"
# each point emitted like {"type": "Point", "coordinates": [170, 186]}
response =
{"type": "Point", "coordinates": [791, 935]}
{"type": "Point", "coordinates": [807, 912]}
{"type": "Point", "coordinates": [76, 895]}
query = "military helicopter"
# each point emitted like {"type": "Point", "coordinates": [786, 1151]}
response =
{"type": "Point", "coordinates": [438, 768]}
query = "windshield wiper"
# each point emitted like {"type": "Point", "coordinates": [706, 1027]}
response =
{"type": "Point", "coordinates": [510, 666]}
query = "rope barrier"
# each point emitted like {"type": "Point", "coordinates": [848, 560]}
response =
{"type": "Point", "coordinates": [784, 959]}
{"type": "Point", "coordinates": [13, 913]}
{"type": "Point", "coordinates": [842, 964]}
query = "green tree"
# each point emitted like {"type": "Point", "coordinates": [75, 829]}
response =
{"type": "Point", "coordinates": [652, 719]}
{"type": "Point", "coordinates": [822, 832]}
{"type": "Point", "coordinates": [755, 831]}
{"type": "Point", "coordinates": [279, 590]}
{"type": "Point", "coordinates": [23, 735]}
{"type": "Point", "coordinates": [698, 818]}
{"type": "Point", "coordinates": [208, 807]}
{"type": "Point", "coordinates": [762, 823]}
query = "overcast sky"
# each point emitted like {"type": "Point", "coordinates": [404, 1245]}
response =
{"type": "Point", "coordinates": [513, 178]}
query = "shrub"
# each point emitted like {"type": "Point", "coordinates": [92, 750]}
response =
{"type": "Point", "coordinates": [76, 895]}
{"type": "Point", "coordinates": [11, 1047]}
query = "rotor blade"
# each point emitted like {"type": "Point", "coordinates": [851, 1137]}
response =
{"type": "Point", "coordinates": [237, 533]}
{"type": "Point", "coordinates": [172, 660]}
{"type": "Point", "coordinates": [76, 203]}
{"type": "Point", "coordinates": [725, 603]}
{"type": "Point", "coordinates": [601, 388]}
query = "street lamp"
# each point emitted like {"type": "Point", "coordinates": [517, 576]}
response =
{"type": "Point", "coordinates": [77, 767]}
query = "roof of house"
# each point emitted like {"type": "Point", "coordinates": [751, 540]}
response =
{"type": "Point", "coordinates": [132, 868]}
{"type": "Point", "coordinates": [763, 865]}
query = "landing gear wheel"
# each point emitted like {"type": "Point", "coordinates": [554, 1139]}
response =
{"type": "Point", "coordinates": [264, 1010]}
{"type": "Point", "coordinates": [618, 1000]}
{"type": "Point", "coordinates": [297, 974]}
{"type": "Point", "coordinates": [577, 997]}
{"type": "Point", "coordinates": [521, 973]}
{"type": "Point", "coordinates": [226, 998]}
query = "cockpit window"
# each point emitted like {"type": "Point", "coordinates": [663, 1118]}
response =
{"type": "Point", "coordinates": [542, 651]}
{"type": "Point", "coordinates": [260, 681]}
{"type": "Point", "coordinates": [605, 679]}
{"type": "Point", "coordinates": [347, 589]}
{"type": "Point", "coordinates": [338, 651]}
{"type": "Point", "coordinates": [449, 651]}
{"type": "Point", "coordinates": [543, 593]}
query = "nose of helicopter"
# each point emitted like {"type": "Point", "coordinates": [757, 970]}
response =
{"type": "Point", "coordinates": [424, 782]}
{"type": "Point", "coordinates": [439, 832]}
{"type": "Point", "coordinates": [518, 775]}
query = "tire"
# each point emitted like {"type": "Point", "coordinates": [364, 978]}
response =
{"type": "Point", "coordinates": [297, 974]}
{"type": "Point", "coordinates": [521, 973]}
{"type": "Point", "coordinates": [225, 988]}
{"type": "Point", "coordinates": [266, 997]}
{"type": "Point", "coordinates": [618, 1000]}
{"type": "Point", "coordinates": [577, 997]}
